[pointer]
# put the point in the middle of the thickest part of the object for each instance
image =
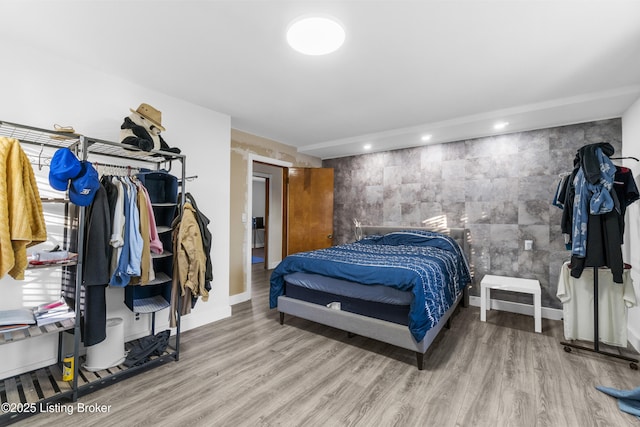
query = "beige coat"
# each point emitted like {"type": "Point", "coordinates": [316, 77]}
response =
{"type": "Point", "coordinates": [189, 263]}
{"type": "Point", "coordinates": [21, 217]}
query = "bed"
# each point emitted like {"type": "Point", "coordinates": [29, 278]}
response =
{"type": "Point", "coordinates": [399, 285]}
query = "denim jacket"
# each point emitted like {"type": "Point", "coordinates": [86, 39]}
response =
{"type": "Point", "coordinates": [594, 199]}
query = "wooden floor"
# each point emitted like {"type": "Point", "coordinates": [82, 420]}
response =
{"type": "Point", "coordinates": [248, 370]}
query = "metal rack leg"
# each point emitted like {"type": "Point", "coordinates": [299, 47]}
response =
{"type": "Point", "coordinates": [633, 362]}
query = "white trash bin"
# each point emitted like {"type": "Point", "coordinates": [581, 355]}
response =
{"type": "Point", "coordinates": [110, 352]}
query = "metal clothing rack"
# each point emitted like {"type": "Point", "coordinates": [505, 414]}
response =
{"type": "Point", "coordinates": [596, 318]}
{"type": "Point", "coordinates": [84, 147]}
{"type": "Point", "coordinates": [596, 331]}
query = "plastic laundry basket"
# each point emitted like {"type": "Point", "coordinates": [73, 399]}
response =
{"type": "Point", "coordinates": [109, 352]}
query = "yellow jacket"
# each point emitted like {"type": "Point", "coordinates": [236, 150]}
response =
{"type": "Point", "coordinates": [21, 217]}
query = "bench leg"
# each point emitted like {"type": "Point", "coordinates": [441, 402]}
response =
{"type": "Point", "coordinates": [484, 298]}
{"type": "Point", "coordinates": [537, 308]}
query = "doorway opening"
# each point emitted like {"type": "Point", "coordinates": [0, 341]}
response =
{"type": "Point", "coordinates": [266, 187]}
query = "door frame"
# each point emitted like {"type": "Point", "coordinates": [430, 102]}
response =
{"type": "Point", "coordinates": [248, 232]}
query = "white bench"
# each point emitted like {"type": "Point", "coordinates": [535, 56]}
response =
{"type": "Point", "coordinates": [528, 286]}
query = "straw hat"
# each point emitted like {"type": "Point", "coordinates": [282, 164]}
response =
{"type": "Point", "coordinates": [151, 114]}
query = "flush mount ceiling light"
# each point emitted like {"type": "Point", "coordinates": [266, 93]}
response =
{"type": "Point", "coordinates": [315, 35]}
{"type": "Point", "coordinates": [425, 138]}
{"type": "Point", "coordinates": [500, 125]}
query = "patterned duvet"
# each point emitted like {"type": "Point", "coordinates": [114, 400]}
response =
{"type": "Point", "coordinates": [430, 265]}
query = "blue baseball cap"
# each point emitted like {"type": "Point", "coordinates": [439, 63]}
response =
{"type": "Point", "coordinates": [64, 166]}
{"type": "Point", "coordinates": [83, 187]}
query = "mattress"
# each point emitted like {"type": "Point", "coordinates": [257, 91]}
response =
{"type": "Point", "coordinates": [377, 301]}
{"type": "Point", "coordinates": [376, 293]}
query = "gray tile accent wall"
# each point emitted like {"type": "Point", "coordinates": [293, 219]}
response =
{"type": "Point", "coordinates": [499, 187]}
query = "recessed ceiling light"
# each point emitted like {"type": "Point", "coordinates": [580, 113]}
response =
{"type": "Point", "coordinates": [500, 125]}
{"type": "Point", "coordinates": [367, 146]}
{"type": "Point", "coordinates": [425, 138]}
{"type": "Point", "coordinates": [315, 35]}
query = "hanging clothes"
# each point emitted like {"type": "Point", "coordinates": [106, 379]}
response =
{"type": "Point", "coordinates": [189, 263]}
{"type": "Point", "coordinates": [95, 270]}
{"type": "Point", "coordinates": [594, 203]}
{"type": "Point", "coordinates": [626, 191]}
{"type": "Point", "coordinates": [118, 220]}
{"type": "Point", "coordinates": [135, 237]}
{"type": "Point", "coordinates": [592, 197]}
{"type": "Point", "coordinates": [577, 295]}
{"type": "Point", "coordinates": [566, 196]}
{"type": "Point", "coordinates": [155, 244]}
{"type": "Point", "coordinates": [127, 233]}
{"type": "Point", "coordinates": [147, 273]}
{"type": "Point", "coordinates": [203, 225]}
{"type": "Point", "coordinates": [121, 277]}
{"type": "Point", "coordinates": [558, 198]}
{"type": "Point", "coordinates": [604, 246]}
{"type": "Point", "coordinates": [112, 198]}
{"type": "Point", "coordinates": [21, 215]}
{"type": "Point", "coordinates": [605, 233]}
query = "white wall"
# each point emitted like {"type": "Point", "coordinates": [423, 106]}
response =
{"type": "Point", "coordinates": [259, 189]}
{"type": "Point", "coordinates": [259, 197]}
{"type": "Point", "coordinates": [40, 90]}
{"type": "Point", "coordinates": [631, 250]}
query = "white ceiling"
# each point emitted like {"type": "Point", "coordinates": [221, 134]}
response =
{"type": "Point", "coordinates": [446, 68]}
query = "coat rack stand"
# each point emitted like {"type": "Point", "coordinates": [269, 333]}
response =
{"type": "Point", "coordinates": [596, 336]}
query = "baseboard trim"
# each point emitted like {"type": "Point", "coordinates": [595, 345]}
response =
{"type": "Point", "coordinates": [519, 308]}
{"type": "Point", "coordinates": [238, 298]}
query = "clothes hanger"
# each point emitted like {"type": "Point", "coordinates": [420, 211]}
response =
{"type": "Point", "coordinates": [623, 168]}
{"type": "Point", "coordinates": [622, 158]}
{"type": "Point", "coordinates": [40, 157]}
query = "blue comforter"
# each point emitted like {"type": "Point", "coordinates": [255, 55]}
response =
{"type": "Point", "coordinates": [430, 265]}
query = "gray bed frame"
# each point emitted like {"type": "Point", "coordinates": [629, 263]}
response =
{"type": "Point", "coordinates": [381, 330]}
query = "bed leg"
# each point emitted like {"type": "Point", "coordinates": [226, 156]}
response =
{"type": "Point", "coordinates": [350, 334]}
{"type": "Point", "coordinates": [281, 318]}
{"type": "Point", "coordinates": [448, 324]}
{"type": "Point", "coordinates": [465, 297]}
{"type": "Point", "coordinates": [420, 360]}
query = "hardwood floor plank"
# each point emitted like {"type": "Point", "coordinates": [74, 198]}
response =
{"type": "Point", "coordinates": [549, 383]}
{"type": "Point", "coordinates": [248, 370]}
{"type": "Point", "coordinates": [486, 380]}
{"type": "Point", "coordinates": [518, 402]}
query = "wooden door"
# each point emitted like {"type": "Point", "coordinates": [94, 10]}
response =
{"type": "Point", "coordinates": [310, 209]}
